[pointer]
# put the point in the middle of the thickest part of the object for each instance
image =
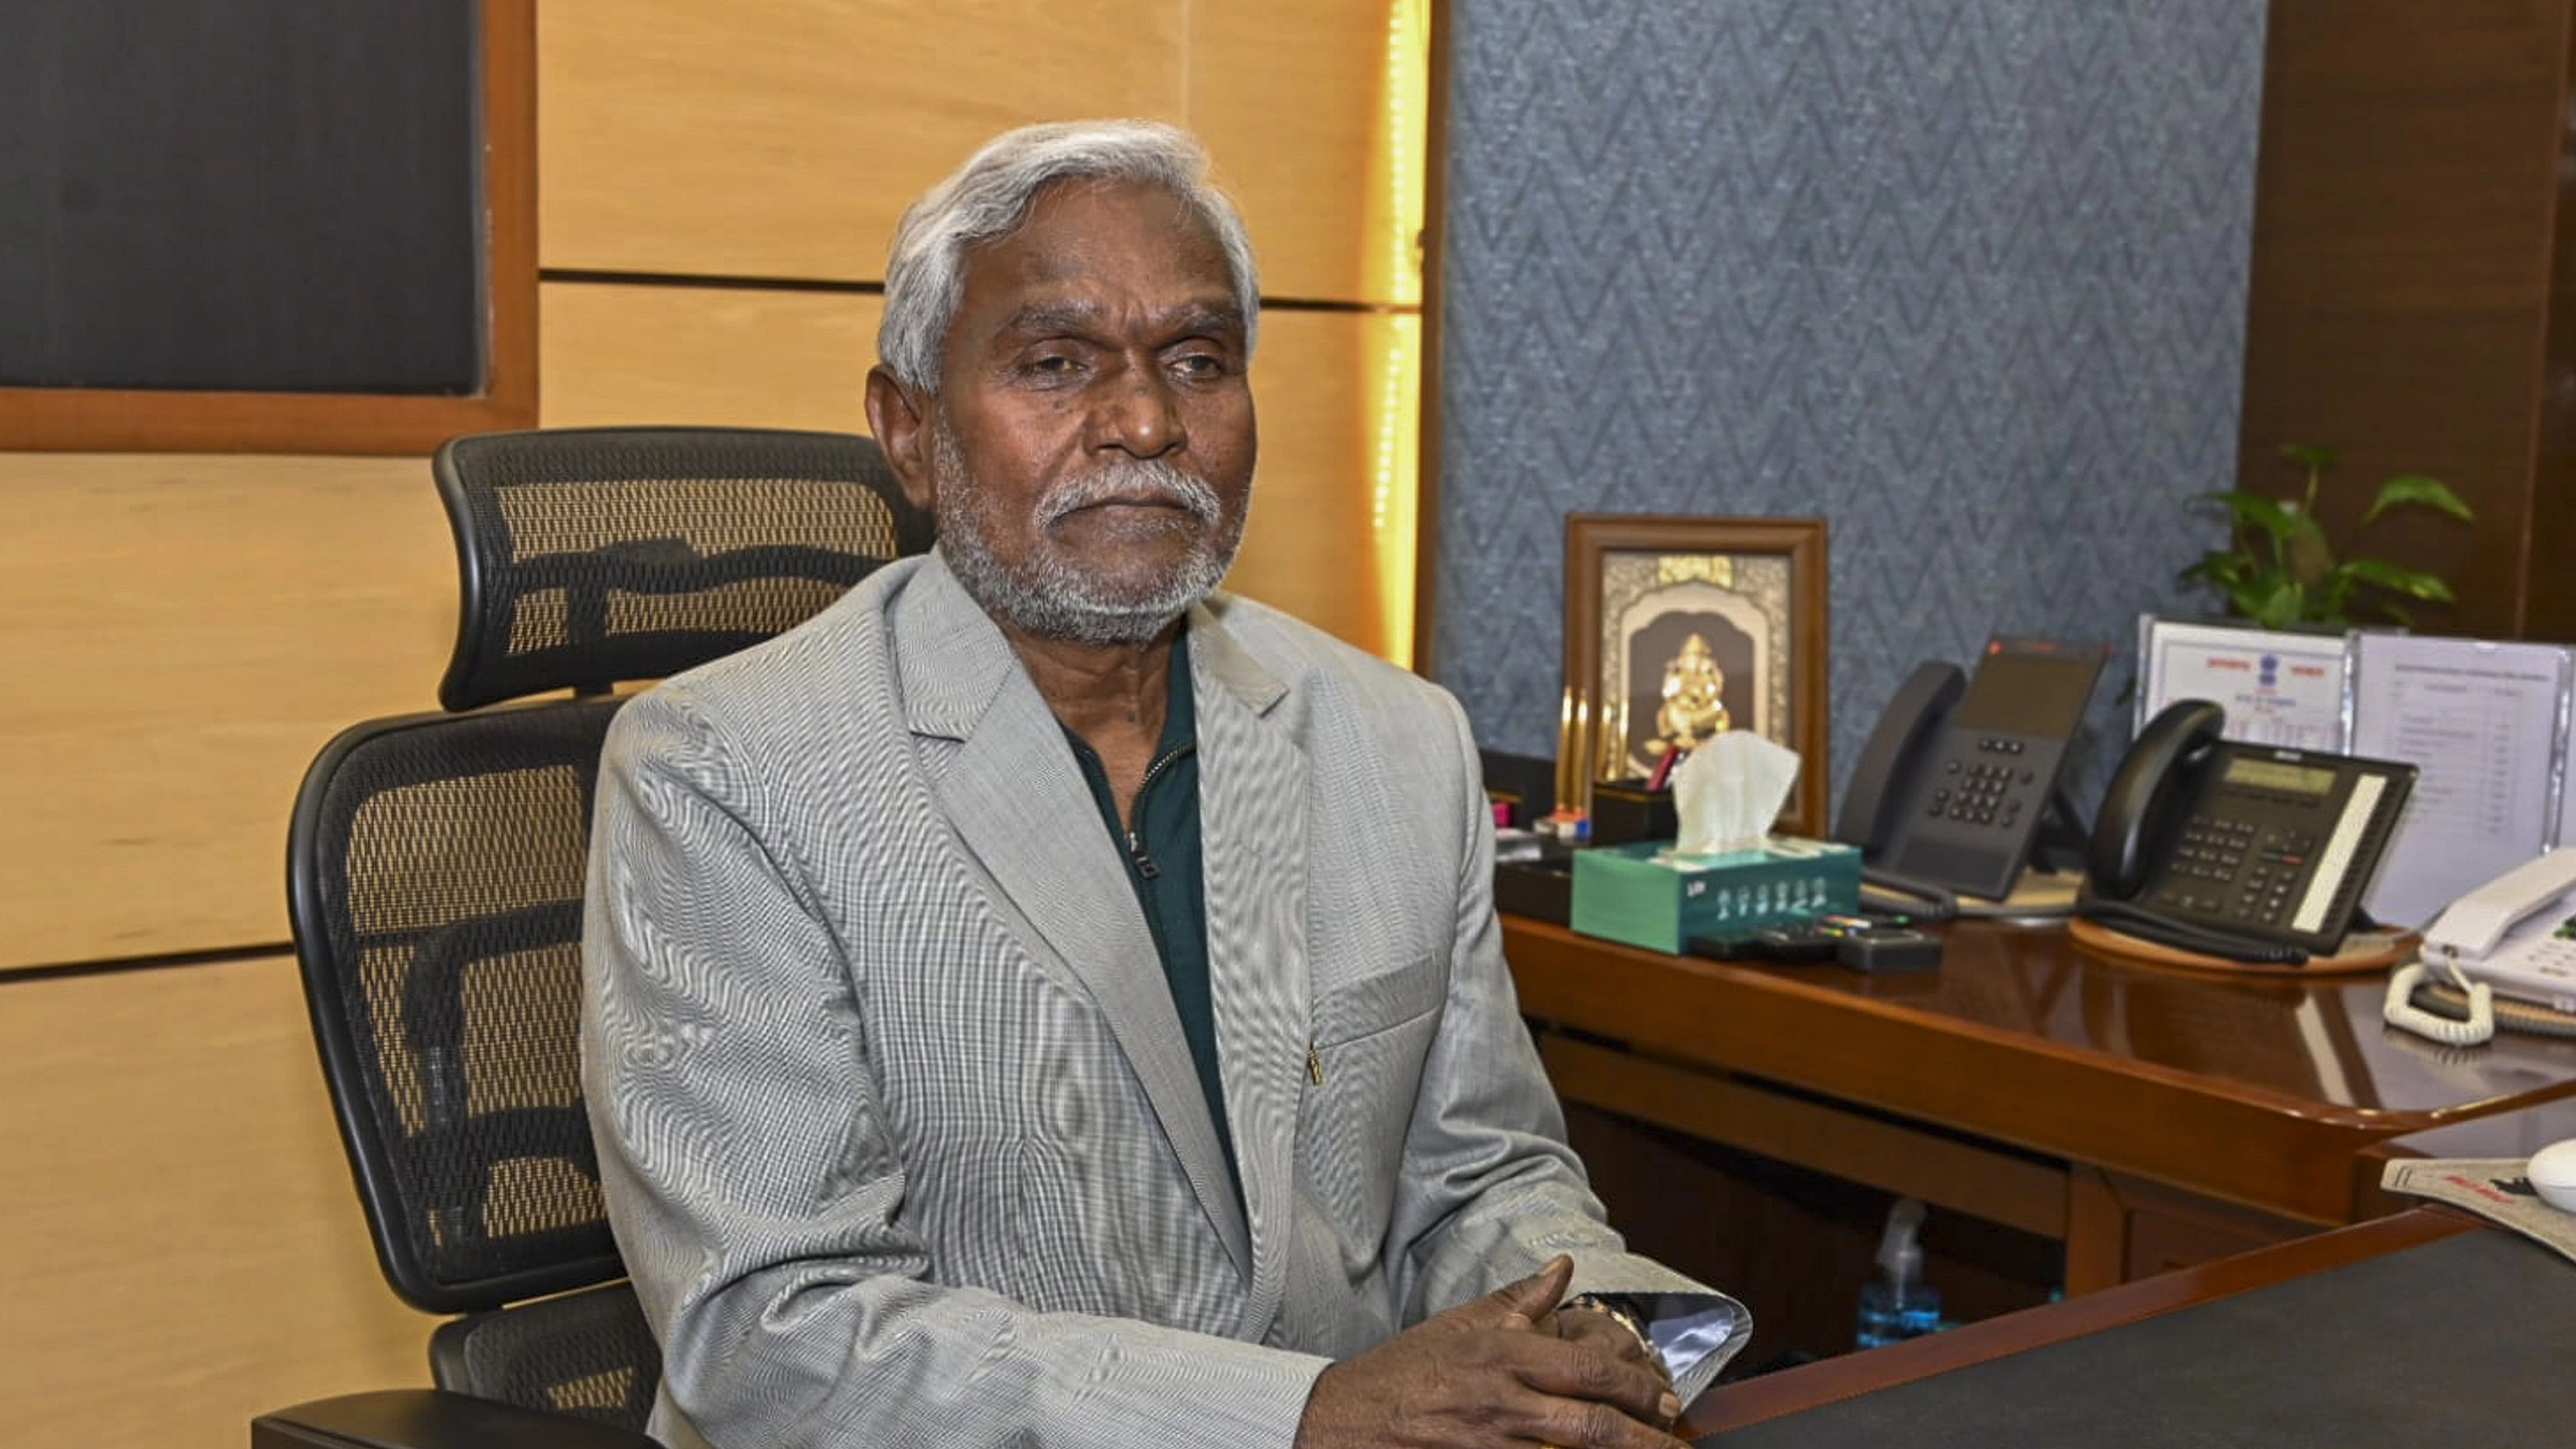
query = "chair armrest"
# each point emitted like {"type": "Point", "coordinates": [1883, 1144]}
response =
{"type": "Point", "coordinates": [431, 1419]}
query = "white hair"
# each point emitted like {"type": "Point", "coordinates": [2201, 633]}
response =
{"type": "Point", "coordinates": [990, 196]}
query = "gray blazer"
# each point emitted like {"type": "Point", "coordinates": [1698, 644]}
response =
{"type": "Point", "coordinates": [897, 1126]}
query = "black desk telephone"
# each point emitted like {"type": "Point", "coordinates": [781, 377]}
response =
{"type": "Point", "coordinates": [1951, 790]}
{"type": "Point", "coordinates": [2251, 852]}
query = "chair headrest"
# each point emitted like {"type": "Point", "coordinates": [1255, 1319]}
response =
{"type": "Point", "coordinates": [590, 556]}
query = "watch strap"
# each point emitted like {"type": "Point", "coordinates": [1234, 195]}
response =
{"type": "Point", "coordinates": [1619, 1310]}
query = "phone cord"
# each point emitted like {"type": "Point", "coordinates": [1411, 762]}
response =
{"type": "Point", "coordinates": [2399, 1010]}
{"type": "Point", "coordinates": [2148, 926]}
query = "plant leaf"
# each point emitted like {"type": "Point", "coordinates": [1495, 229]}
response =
{"type": "Point", "coordinates": [2221, 568]}
{"type": "Point", "coordinates": [2310, 455]}
{"type": "Point", "coordinates": [2414, 489]}
{"type": "Point", "coordinates": [2267, 516]}
{"type": "Point", "coordinates": [2413, 583]}
{"type": "Point", "coordinates": [2280, 608]}
{"type": "Point", "coordinates": [2307, 558]}
{"type": "Point", "coordinates": [2338, 584]}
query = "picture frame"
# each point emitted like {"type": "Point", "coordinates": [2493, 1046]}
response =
{"type": "Point", "coordinates": [1658, 598]}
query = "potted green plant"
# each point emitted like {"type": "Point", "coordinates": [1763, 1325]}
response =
{"type": "Point", "coordinates": [2280, 570]}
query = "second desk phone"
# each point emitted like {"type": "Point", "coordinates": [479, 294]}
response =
{"type": "Point", "coordinates": [1950, 791]}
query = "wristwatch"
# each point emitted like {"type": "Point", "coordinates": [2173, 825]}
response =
{"type": "Point", "coordinates": [1621, 1310]}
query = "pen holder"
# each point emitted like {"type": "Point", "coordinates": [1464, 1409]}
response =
{"type": "Point", "coordinates": [1625, 812]}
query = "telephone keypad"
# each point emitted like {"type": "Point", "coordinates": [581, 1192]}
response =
{"type": "Point", "coordinates": [2245, 873]}
{"type": "Point", "coordinates": [1983, 793]}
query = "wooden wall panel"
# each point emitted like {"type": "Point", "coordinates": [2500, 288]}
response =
{"type": "Point", "coordinates": [180, 635]}
{"type": "Point", "coordinates": [2411, 284]}
{"type": "Point", "coordinates": [1290, 101]}
{"type": "Point", "coordinates": [629, 354]}
{"type": "Point", "coordinates": [1317, 540]}
{"type": "Point", "coordinates": [185, 1247]}
{"type": "Point", "coordinates": [742, 138]}
{"type": "Point", "coordinates": [782, 138]}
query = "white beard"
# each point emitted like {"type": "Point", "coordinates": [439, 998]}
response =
{"type": "Point", "coordinates": [1048, 594]}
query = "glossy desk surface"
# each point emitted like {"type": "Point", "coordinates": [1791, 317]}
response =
{"type": "Point", "coordinates": [2255, 1088]}
{"type": "Point", "coordinates": [2227, 1399]}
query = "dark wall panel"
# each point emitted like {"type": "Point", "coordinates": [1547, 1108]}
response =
{"type": "Point", "coordinates": [2414, 286]}
{"type": "Point", "coordinates": [268, 195]}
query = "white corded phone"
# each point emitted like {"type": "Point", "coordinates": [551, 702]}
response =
{"type": "Point", "coordinates": [2515, 935]}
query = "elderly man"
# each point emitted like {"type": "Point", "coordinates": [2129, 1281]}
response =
{"type": "Point", "coordinates": [1044, 1001]}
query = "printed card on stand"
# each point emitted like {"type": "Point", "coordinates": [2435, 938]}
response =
{"type": "Point", "coordinates": [2278, 688]}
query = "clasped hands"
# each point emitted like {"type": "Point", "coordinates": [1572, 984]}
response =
{"type": "Point", "coordinates": [1510, 1368]}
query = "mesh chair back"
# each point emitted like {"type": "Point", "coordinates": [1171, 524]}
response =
{"type": "Point", "coordinates": [435, 867]}
{"type": "Point", "coordinates": [593, 555]}
{"type": "Point", "coordinates": [588, 1354]}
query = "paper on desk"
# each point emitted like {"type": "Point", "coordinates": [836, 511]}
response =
{"type": "Point", "coordinates": [2492, 1187]}
{"type": "Point", "coordinates": [2482, 722]}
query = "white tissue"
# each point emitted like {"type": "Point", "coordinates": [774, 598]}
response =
{"type": "Point", "coordinates": [1728, 792]}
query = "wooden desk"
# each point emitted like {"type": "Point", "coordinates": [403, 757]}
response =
{"type": "Point", "coordinates": [1738, 1406]}
{"type": "Point", "coordinates": [2147, 1119]}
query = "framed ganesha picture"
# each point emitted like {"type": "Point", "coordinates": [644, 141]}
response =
{"type": "Point", "coordinates": [1679, 628]}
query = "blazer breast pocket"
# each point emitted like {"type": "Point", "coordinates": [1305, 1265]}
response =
{"type": "Point", "coordinates": [1351, 1010]}
{"type": "Point", "coordinates": [1372, 1039]}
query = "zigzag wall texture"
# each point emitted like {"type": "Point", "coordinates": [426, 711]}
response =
{"type": "Point", "coordinates": [1965, 277]}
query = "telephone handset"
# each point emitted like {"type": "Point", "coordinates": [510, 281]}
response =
{"type": "Point", "coordinates": [1892, 773]}
{"type": "Point", "coordinates": [1903, 736]}
{"type": "Point", "coordinates": [1960, 774]}
{"type": "Point", "coordinates": [2473, 930]}
{"type": "Point", "coordinates": [2146, 791]}
{"type": "Point", "coordinates": [2514, 936]}
{"type": "Point", "coordinates": [2250, 852]}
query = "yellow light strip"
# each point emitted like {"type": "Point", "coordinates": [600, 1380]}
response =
{"type": "Point", "coordinates": [1399, 211]}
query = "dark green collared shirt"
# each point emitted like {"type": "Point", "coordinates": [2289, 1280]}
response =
{"type": "Point", "coordinates": [1165, 865]}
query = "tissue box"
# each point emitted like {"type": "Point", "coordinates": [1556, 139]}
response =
{"type": "Point", "coordinates": [1623, 893]}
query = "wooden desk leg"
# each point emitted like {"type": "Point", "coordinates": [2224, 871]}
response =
{"type": "Point", "coordinates": [2120, 1229]}
{"type": "Point", "coordinates": [2097, 1232]}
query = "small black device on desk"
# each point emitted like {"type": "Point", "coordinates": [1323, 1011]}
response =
{"type": "Point", "coordinates": [1952, 791]}
{"type": "Point", "coordinates": [1539, 886]}
{"type": "Point", "coordinates": [1859, 942]}
{"type": "Point", "coordinates": [2251, 852]}
{"type": "Point", "coordinates": [1533, 878]}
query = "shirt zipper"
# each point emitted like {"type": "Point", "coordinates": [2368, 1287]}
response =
{"type": "Point", "coordinates": [1136, 851]}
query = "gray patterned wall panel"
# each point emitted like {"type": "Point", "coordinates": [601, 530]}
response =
{"type": "Point", "coordinates": [1965, 277]}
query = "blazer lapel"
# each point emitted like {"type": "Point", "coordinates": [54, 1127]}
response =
{"type": "Point", "coordinates": [1017, 800]}
{"type": "Point", "coordinates": [1252, 812]}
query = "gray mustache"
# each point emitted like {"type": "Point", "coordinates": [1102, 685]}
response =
{"type": "Point", "coordinates": [1153, 480]}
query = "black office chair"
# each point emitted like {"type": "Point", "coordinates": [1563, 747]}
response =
{"type": "Point", "coordinates": [435, 873]}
